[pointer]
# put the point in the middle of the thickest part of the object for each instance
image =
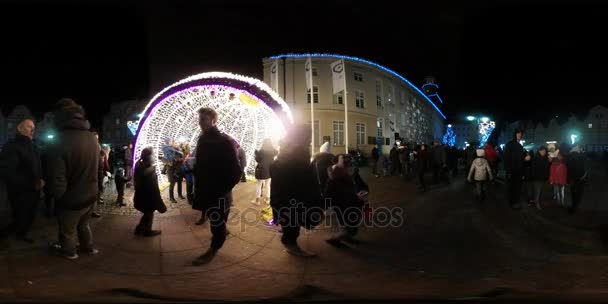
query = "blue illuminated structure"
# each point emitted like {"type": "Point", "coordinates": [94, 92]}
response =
{"type": "Point", "coordinates": [485, 130]}
{"type": "Point", "coordinates": [449, 138]}
{"type": "Point", "coordinates": [365, 62]}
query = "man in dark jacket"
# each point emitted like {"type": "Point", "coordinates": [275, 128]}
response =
{"type": "Point", "coordinates": [539, 175]}
{"type": "Point", "coordinates": [395, 164]}
{"type": "Point", "coordinates": [21, 169]}
{"type": "Point", "coordinates": [577, 176]}
{"type": "Point", "coordinates": [216, 172]}
{"type": "Point", "coordinates": [72, 177]}
{"type": "Point", "coordinates": [514, 158]}
{"type": "Point", "coordinates": [375, 158]}
{"type": "Point", "coordinates": [129, 163]}
{"type": "Point", "coordinates": [439, 160]}
{"type": "Point", "coordinates": [470, 153]}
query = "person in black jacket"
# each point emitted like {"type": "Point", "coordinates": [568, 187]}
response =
{"type": "Point", "coordinates": [577, 176]}
{"type": "Point", "coordinates": [21, 168]}
{"type": "Point", "coordinates": [295, 194]}
{"type": "Point", "coordinates": [514, 158]}
{"type": "Point", "coordinates": [263, 157]}
{"type": "Point", "coordinates": [395, 164]}
{"type": "Point", "coordinates": [422, 163]}
{"type": "Point", "coordinates": [539, 175]}
{"type": "Point", "coordinates": [216, 172]}
{"type": "Point", "coordinates": [72, 178]}
{"type": "Point", "coordinates": [243, 163]}
{"type": "Point", "coordinates": [321, 163]}
{"type": "Point", "coordinates": [120, 179]}
{"type": "Point", "coordinates": [147, 197]}
{"type": "Point", "coordinates": [375, 157]}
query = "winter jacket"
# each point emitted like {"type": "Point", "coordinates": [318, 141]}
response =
{"type": "Point", "coordinates": [576, 166]}
{"type": "Point", "coordinates": [540, 168]}
{"type": "Point", "coordinates": [188, 169]}
{"type": "Point", "coordinates": [20, 166]}
{"type": "Point", "coordinates": [294, 181]}
{"type": "Point", "coordinates": [341, 189]}
{"type": "Point", "coordinates": [120, 177]}
{"type": "Point", "coordinates": [147, 196]}
{"type": "Point", "coordinates": [217, 168]}
{"type": "Point", "coordinates": [438, 156]}
{"type": "Point", "coordinates": [480, 170]}
{"type": "Point", "coordinates": [559, 173]}
{"type": "Point", "coordinates": [514, 158]}
{"type": "Point", "coordinates": [264, 159]}
{"type": "Point", "coordinates": [422, 161]}
{"type": "Point", "coordinates": [375, 155]}
{"type": "Point", "coordinates": [73, 162]}
{"type": "Point", "coordinates": [394, 156]}
{"type": "Point", "coordinates": [491, 154]}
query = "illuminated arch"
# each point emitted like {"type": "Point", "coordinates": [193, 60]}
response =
{"type": "Point", "coordinates": [248, 109]}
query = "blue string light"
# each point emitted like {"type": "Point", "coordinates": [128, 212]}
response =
{"type": "Point", "coordinates": [436, 95]}
{"type": "Point", "coordinates": [366, 62]}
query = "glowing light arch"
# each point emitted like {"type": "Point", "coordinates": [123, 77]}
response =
{"type": "Point", "coordinates": [248, 109]}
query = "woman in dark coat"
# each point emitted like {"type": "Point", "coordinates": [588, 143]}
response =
{"type": "Point", "coordinates": [264, 158]}
{"type": "Point", "coordinates": [295, 192]}
{"type": "Point", "coordinates": [147, 197]}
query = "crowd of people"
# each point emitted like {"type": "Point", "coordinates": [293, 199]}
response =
{"type": "Point", "coordinates": [73, 171]}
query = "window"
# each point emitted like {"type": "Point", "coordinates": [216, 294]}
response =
{"type": "Point", "coordinates": [390, 95]}
{"type": "Point", "coordinates": [358, 76]}
{"type": "Point", "coordinates": [403, 119]}
{"type": "Point", "coordinates": [117, 121]}
{"type": "Point", "coordinates": [338, 133]}
{"type": "Point", "coordinates": [359, 99]}
{"type": "Point", "coordinates": [339, 98]}
{"type": "Point", "coordinates": [315, 72]}
{"type": "Point", "coordinates": [315, 92]}
{"type": "Point", "coordinates": [379, 93]}
{"type": "Point", "coordinates": [402, 99]}
{"type": "Point", "coordinates": [380, 124]}
{"type": "Point", "coordinates": [360, 133]}
{"type": "Point", "coordinates": [590, 126]}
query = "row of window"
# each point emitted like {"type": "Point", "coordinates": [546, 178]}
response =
{"type": "Point", "coordinates": [338, 133]}
{"type": "Point", "coordinates": [359, 97]}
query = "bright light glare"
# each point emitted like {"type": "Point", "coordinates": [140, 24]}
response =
{"type": "Point", "coordinates": [470, 118]}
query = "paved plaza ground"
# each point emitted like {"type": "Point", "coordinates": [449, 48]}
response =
{"type": "Point", "coordinates": [448, 247]}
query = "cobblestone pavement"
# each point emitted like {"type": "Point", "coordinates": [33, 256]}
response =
{"type": "Point", "coordinates": [447, 247]}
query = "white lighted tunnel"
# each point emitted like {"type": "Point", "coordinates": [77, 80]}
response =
{"type": "Point", "coordinates": [248, 110]}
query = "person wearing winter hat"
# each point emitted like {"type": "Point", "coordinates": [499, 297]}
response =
{"type": "Point", "coordinates": [321, 163]}
{"type": "Point", "coordinates": [480, 172]}
{"type": "Point", "coordinates": [264, 157]}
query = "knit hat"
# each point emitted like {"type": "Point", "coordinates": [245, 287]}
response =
{"type": "Point", "coordinates": [481, 153]}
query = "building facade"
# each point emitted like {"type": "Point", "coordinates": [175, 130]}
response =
{"type": "Point", "coordinates": [595, 126]}
{"type": "Point", "coordinates": [382, 105]}
{"type": "Point", "coordinates": [115, 131]}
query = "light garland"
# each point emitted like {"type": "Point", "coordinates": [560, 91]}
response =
{"type": "Point", "coordinates": [368, 63]}
{"type": "Point", "coordinates": [485, 130]}
{"type": "Point", "coordinates": [249, 111]}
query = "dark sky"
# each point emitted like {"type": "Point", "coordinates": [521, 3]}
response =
{"type": "Point", "coordinates": [508, 59]}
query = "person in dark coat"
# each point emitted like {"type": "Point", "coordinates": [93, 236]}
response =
{"type": "Point", "coordinates": [514, 157]}
{"type": "Point", "coordinates": [470, 154]}
{"type": "Point", "coordinates": [72, 177]}
{"type": "Point", "coordinates": [452, 160]}
{"type": "Point", "coordinates": [120, 180]}
{"type": "Point", "coordinates": [263, 157]}
{"type": "Point", "coordinates": [395, 164]}
{"type": "Point", "coordinates": [243, 163]}
{"type": "Point", "coordinates": [404, 156]}
{"type": "Point", "coordinates": [422, 163]}
{"type": "Point", "coordinates": [540, 175]}
{"type": "Point", "coordinates": [147, 197]}
{"type": "Point", "coordinates": [175, 175]}
{"type": "Point", "coordinates": [21, 169]}
{"type": "Point", "coordinates": [295, 194]}
{"type": "Point", "coordinates": [577, 176]}
{"type": "Point", "coordinates": [346, 200]}
{"type": "Point", "coordinates": [375, 157]}
{"type": "Point", "coordinates": [322, 162]}
{"type": "Point", "coordinates": [216, 172]}
{"type": "Point", "coordinates": [188, 171]}
{"type": "Point", "coordinates": [438, 161]}
{"type": "Point", "coordinates": [128, 157]}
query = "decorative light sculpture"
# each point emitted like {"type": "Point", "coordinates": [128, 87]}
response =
{"type": "Point", "coordinates": [449, 138]}
{"type": "Point", "coordinates": [485, 130]}
{"type": "Point", "coordinates": [132, 125]}
{"type": "Point", "coordinates": [248, 110]}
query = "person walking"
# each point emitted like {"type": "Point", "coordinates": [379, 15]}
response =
{"type": "Point", "coordinates": [128, 157]}
{"type": "Point", "coordinates": [264, 158]}
{"type": "Point", "coordinates": [514, 158]}
{"type": "Point", "coordinates": [422, 159]}
{"type": "Point", "coordinates": [120, 180]}
{"type": "Point", "coordinates": [243, 163]}
{"type": "Point", "coordinates": [394, 164]}
{"type": "Point", "coordinates": [147, 197]}
{"type": "Point", "coordinates": [375, 157]}
{"type": "Point", "coordinates": [321, 163]}
{"type": "Point", "coordinates": [577, 176]}
{"type": "Point", "coordinates": [21, 169]}
{"type": "Point", "coordinates": [72, 177]}
{"type": "Point", "coordinates": [539, 176]}
{"type": "Point", "coordinates": [491, 157]}
{"type": "Point", "coordinates": [174, 172]}
{"type": "Point", "coordinates": [216, 172]}
{"type": "Point", "coordinates": [295, 189]}
{"type": "Point", "coordinates": [481, 173]}
{"type": "Point", "coordinates": [438, 160]}
{"type": "Point", "coordinates": [188, 172]}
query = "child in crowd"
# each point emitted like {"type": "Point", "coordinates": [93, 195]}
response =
{"type": "Point", "coordinates": [559, 178]}
{"type": "Point", "coordinates": [120, 180]}
{"type": "Point", "coordinates": [481, 172]}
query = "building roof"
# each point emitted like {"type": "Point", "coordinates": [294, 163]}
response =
{"type": "Point", "coordinates": [381, 67]}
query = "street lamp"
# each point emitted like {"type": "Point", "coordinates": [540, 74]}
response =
{"type": "Point", "coordinates": [50, 136]}
{"type": "Point", "coordinates": [470, 118]}
{"type": "Point", "coordinates": [485, 119]}
{"type": "Point", "coordinates": [573, 138]}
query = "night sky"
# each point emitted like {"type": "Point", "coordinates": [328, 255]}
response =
{"type": "Point", "coordinates": [507, 59]}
